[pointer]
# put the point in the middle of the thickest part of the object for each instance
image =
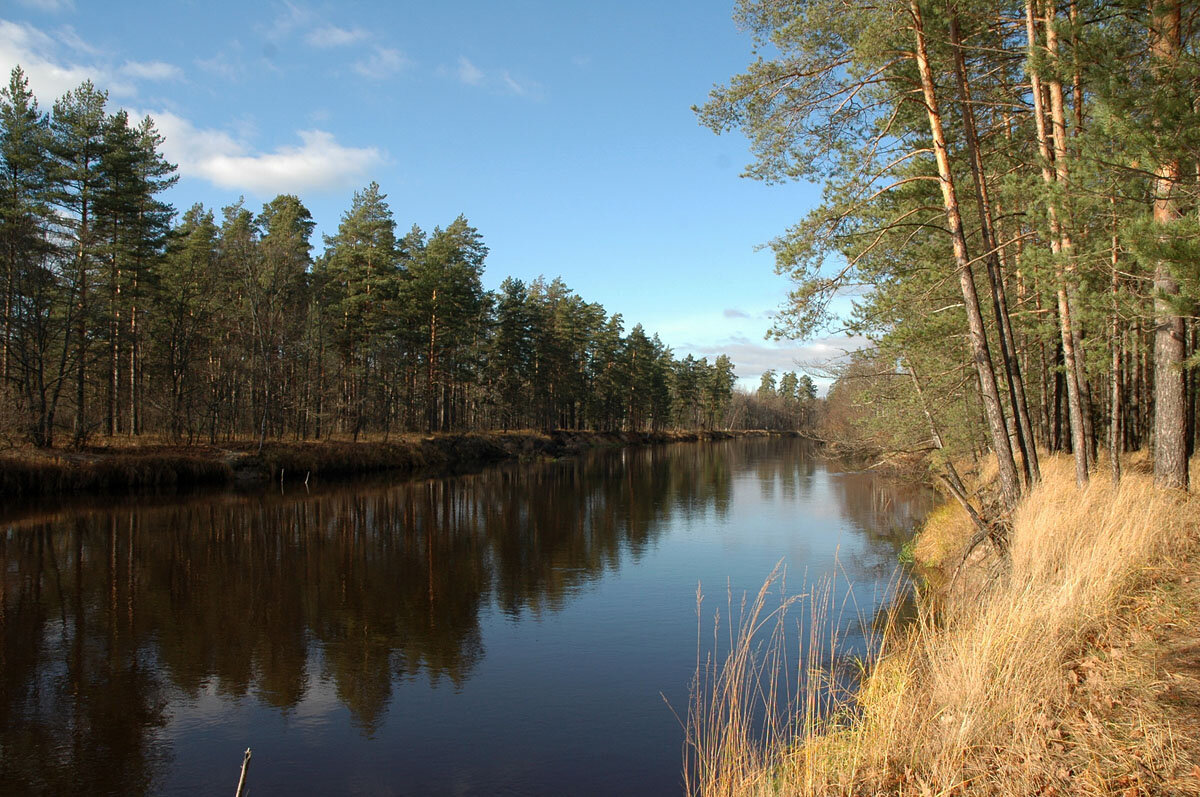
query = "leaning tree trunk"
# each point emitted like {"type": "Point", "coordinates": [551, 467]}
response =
{"type": "Point", "coordinates": [1008, 355]}
{"type": "Point", "coordinates": [1010, 483]}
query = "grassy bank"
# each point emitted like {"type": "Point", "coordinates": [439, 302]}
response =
{"type": "Point", "coordinates": [122, 466]}
{"type": "Point", "coordinates": [1072, 670]}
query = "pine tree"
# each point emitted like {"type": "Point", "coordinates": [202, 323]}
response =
{"type": "Point", "coordinates": [363, 280]}
{"type": "Point", "coordinates": [511, 356]}
{"type": "Point", "coordinates": [78, 125]}
{"type": "Point", "coordinates": [34, 329]}
{"type": "Point", "coordinates": [185, 304]}
{"type": "Point", "coordinates": [446, 298]}
{"type": "Point", "coordinates": [277, 290]}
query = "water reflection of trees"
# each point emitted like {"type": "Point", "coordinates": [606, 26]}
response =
{"type": "Point", "coordinates": [885, 511]}
{"type": "Point", "coordinates": [79, 698]}
{"type": "Point", "coordinates": [101, 611]}
{"type": "Point", "coordinates": [104, 613]}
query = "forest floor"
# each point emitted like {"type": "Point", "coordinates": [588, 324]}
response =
{"type": "Point", "coordinates": [1069, 666]}
{"type": "Point", "coordinates": [1171, 638]}
{"type": "Point", "coordinates": [118, 465]}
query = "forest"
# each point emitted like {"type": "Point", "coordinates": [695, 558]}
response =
{"type": "Point", "coordinates": [1010, 214]}
{"type": "Point", "coordinates": [1011, 196]}
{"type": "Point", "coordinates": [122, 318]}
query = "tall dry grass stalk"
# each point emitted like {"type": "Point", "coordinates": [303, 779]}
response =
{"type": "Point", "coordinates": [1016, 684]}
{"type": "Point", "coordinates": [759, 686]}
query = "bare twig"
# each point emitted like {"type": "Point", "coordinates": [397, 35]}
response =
{"type": "Point", "coordinates": [241, 789]}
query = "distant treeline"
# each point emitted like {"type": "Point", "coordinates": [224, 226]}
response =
{"type": "Point", "coordinates": [789, 403]}
{"type": "Point", "coordinates": [119, 320]}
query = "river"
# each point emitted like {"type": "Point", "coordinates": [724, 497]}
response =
{"type": "Point", "coordinates": [525, 630]}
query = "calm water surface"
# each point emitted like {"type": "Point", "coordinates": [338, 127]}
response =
{"type": "Point", "coordinates": [510, 632]}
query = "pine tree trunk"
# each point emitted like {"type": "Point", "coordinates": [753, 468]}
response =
{"type": "Point", "coordinates": [1078, 400]}
{"type": "Point", "coordinates": [1010, 484]}
{"type": "Point", "coordinates": [1192, 384]}
{"type": "Point", "coordinates": [6, 342]}
{"type": "Point", "coordinates": [1170, 446]}
{"type": "Point", "coordinates": [114, 345]}
{"type": "Point", "coordinates": [1060, 387]}
{"type": "Point", "coordinates": [430, 390]}
{"type": "Point", "coordinates": [1048, 382]}
{"type": "Point", "coordinates": [135, 407]}
{"type": "Point", "coordinates": [1114, 409]}
{"type": "Point", "coordinates": [81, 332]}
{"type": "Point", "coordinates": [1060, 240]}
{"type": "Point", "coordinates": [1012, 368]}
{"type": "Point", "coordinates": [1146, 394]}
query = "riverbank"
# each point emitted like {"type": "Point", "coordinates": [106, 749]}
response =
{"type": "Point", "coordinates": [121, 466]}
{"type": "Point", "coordinates": [1074, 669]}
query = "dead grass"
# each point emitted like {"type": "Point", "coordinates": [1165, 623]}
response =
{"type": "Point", "coordinates": [942, 536]}
{"type": "Point", "coordinates": [1025, 680]}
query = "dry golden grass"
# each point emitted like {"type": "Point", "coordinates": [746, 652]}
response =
{"type": "Point", "coordinates": [942, 535]}
{"type": "Point", "coordinates": [1028, 679]}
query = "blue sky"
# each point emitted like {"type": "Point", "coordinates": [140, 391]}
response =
{"type": "Point", "coordinates": [563, 131]}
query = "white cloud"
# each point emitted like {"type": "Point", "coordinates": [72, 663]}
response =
{"type": "Point", "coordinates": [327, 36]}
{"type": "Point", "coordinates": [738, 333]}
{"type": "Point", "coordinates": [34, 51]}
{"type": "Point", "coordinates": [469, 73]}
{"type": "Point", "coordinates": [52, 75]}
{"type": "Point", "coordinates": [151, 70]}
{"type": "Point", "coordinates": [383, 62]}
{"type": "Point", "coordinates": [751, 359]}
{"type": "Point", "coordinates": [318, 163]}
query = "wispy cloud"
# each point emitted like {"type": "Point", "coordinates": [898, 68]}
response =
{"type": "Point", "coordinates": [318, 163]}
{"type": "Point", "coordinates": [68, 36]}
{"type": "Point", "coordinates": [501, 81]}
{"type": "Point", "coordinates": [327, 36]}
{"type": "Point", "coordinates": [295, 20]}
{"type": "Point", "coordinates": [521, 89]}
{"type": "Point", "coordinates": [469, 73]}
{"type": "Point", "coordinates": [733, 312]}
{"type": "Point", "coordinates": [151, 70]}
{"type": "Point", "coordinates": [382, 63]}
{"type": "Point", "coordinates": [224, 64]}
{"type": "Point", "coordinates": [291, 18]}
{"type": "Point", "coordinates": [51, 6]}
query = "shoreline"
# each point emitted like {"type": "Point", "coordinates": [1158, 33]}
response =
{"type": "Point", "coordinates": [1067, 666]}
{"type": "Point", "coordinates": [32, 474]}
